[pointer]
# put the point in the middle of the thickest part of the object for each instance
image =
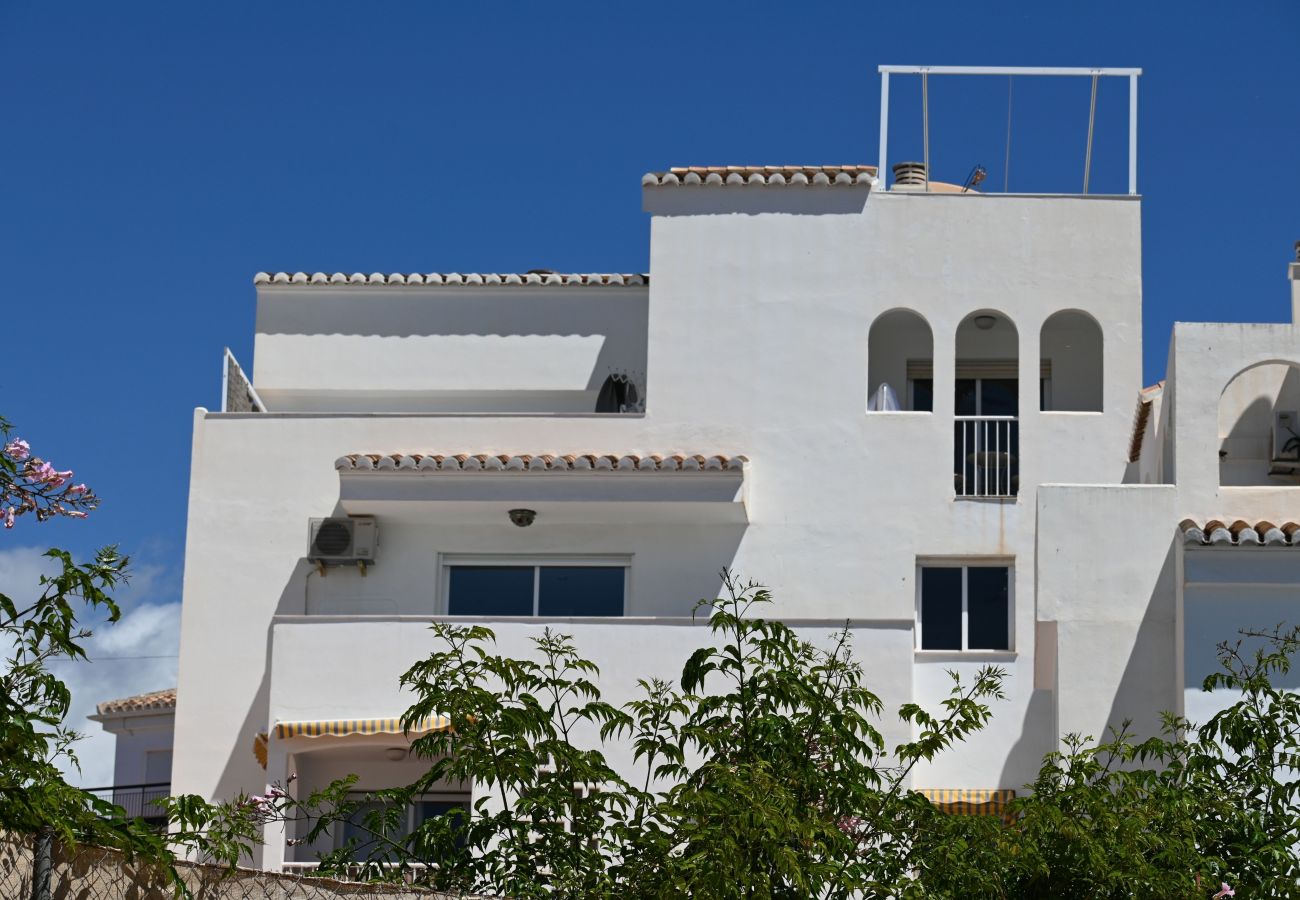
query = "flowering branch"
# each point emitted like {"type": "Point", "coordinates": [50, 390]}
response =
{"type": "Point", "coordinates": [29, 484]}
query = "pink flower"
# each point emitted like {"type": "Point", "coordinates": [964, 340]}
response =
{"type": "Point", "coordinates": [46, 474]}
{"type": "Point", "coordinates": [78, 489]}
{"type": "Point", "coordinates": [18, 449]}
{"type": "Point", "coordinates": [9, 517]}
{"type": "Point", "coordinates": [1224, 891]}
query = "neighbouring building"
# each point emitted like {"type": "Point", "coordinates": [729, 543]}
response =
{"type": "Point", "coordinates": [143, 728]}
{"type": "Point", "coordinates": [911, 406]}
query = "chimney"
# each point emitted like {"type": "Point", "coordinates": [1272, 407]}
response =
{"type": "Point", "coordinates": [1293, 272]}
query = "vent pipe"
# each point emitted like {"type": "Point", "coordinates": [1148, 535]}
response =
{"type": "Point", "coordinates": [909, 174]}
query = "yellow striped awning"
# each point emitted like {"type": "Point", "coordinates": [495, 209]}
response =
{"type": "Point", "coordinates": [970, 801]}
{"type": "Point", "coordinates": [345, 727]}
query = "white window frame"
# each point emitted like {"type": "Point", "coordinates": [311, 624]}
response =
{"type": "Point", "coordinates": [537, 562]}
{"type": "Point", "coordinates": [965, 564]}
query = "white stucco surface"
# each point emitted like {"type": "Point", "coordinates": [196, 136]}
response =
{"type": "Point", "coordinates": [755, 338]}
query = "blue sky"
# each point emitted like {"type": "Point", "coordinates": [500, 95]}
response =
{"type": "Point", "coordinates": [157, 154]}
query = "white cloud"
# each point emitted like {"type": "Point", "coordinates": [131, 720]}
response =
{"type": "Point", "coordinates": [135, 655]}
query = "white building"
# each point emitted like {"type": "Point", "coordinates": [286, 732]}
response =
{"type": "Point", "coordinates": [1012, 511]}
{"type": "Point", "coordinates": [143, 727]}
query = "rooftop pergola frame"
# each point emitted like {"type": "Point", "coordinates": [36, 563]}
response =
{"type": "Point", "coordinates": [926, 71]}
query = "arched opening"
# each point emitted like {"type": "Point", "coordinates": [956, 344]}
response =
{"type": "Point", "coordinates": [1259, 426]}
{"type": "Point", "coordinates": [900, 363]}
{"type": "Point", "coordinates": [986, 400]}
{"type": "Point", "coordinates": [1071, 347]}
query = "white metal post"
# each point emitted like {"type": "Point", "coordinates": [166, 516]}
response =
{"type": "Point", "coordinates": [1133, 134]}
{"type": "Point", "coordinates": [924, 71]}
{"type": "Point", "coordinates": [882, 175]}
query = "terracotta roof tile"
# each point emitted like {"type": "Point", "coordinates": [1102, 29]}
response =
{"type": "Point", "coordinates": [762, 175]}
{"type": "Point", "coordinates": [1240, 533]}
{"type": "Point", "coordinates": [157, 700]}
{"type": "Point", "coordinates": [453, 279]}
{"type": "Point", "coordinates": [1141, 416]}
{"type": "Point", "coordinates": [574, 462]}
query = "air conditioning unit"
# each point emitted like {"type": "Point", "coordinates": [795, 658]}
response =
{"type": "Point", "coordinates": [1286, 435]}
{"type": "Point", "coordinates": [349, 539]}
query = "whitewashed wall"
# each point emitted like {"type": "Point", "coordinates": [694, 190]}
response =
{"type": "Point", "coordinates": [445, 349]}
{"type": "Point", "coordinates": [135, 738]}
{"type": "Point", "coordinates": [1227, 589]}
{"type": "Point", "coordinates": [757, 325]}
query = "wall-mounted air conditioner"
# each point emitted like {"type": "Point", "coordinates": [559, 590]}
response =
{"type": "Point", "coordinates": [346, 539]}
{"type": "Point", "coordinates": [1286, 435]}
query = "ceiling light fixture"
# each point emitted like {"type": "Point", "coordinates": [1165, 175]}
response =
{"type": "Point", "coordinates": [985, 322]}
{"type": "Point", "coordinates": [523, 517]}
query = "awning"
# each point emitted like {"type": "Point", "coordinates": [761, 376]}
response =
{"type": "Point", "coordinates": [345, 727]}
{"type": "Point", "coordinates": [970, 801]}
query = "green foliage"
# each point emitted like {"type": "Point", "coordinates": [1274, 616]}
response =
{"type": "Point", "coordinates": [763, 774]}
{"type": "Point", "coordinates": [1174, 816]}
{"type": "Point", "coordinates": [34, 734]}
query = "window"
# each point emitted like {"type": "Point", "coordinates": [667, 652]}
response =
{"type": "Point", "coordinates": [559, 588]}
{"type": "Point", "coordinates": [358, 827]}
{"type": "Point", "coordinates": [987, 397]}
{"type": "Point", "coordinates": [964, 608]}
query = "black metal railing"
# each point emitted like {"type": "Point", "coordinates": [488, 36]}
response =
{"type": "Point", "coordinates": [139, 800]}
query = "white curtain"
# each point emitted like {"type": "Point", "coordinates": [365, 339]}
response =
{"type": "Point", "coordinates": [883, 399]}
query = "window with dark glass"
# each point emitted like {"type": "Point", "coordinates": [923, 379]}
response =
{"type": "Point", "coordinates": [580, 591]}
{"type": "Point", "coordinates": [536, 590]}
{"type": "Point", "coordinates": [490, 591]}
{"type": "Point", "coordinates": [965, 608]}
{"type": "Point", "coordinates": [372, 826]}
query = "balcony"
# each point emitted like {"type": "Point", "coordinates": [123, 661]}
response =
{"type": "Point", "coordinates": [986, 457]}
{"type": "Point", "coordinates": [139, 800]}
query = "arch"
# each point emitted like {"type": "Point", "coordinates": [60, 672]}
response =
{"type": "Point", "coordinates": [1071, 344]}
{"type": "Point", "coordinates": [1259, 425]}
{"type": "Point", "coordinates": [900, 355]}
{"type": "Point", "coordinates": [987, 340]}
{"type": "Point", "coordinates": [986, 401]}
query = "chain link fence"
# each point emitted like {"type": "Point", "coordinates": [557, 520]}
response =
{"type": "Point", "coordinates": [38, 868]}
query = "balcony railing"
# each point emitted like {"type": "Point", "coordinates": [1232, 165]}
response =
{"type": "Point", "coordinates": [987, 456]}
{"type": "Point", "coordinates": [139, 800]}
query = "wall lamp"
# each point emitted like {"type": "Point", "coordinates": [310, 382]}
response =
{"type": "Point", "coordinates": [523, 517]}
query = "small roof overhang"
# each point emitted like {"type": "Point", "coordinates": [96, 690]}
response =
{"type": "Point", "coordinates": [577, 488]}
{"type": "Point", "coordinates": [1239, 533]}
{"type": "Point", "coordinates": [141, 712]}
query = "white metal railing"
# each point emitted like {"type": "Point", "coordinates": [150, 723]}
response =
{"type": "Point", "coordinates": [1011, 71]}
{"type": "Point", "coordinates": [986, 456]}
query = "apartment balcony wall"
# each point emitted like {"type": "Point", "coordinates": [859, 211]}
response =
{"type": "Point", "coordinates": [348, 667]}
